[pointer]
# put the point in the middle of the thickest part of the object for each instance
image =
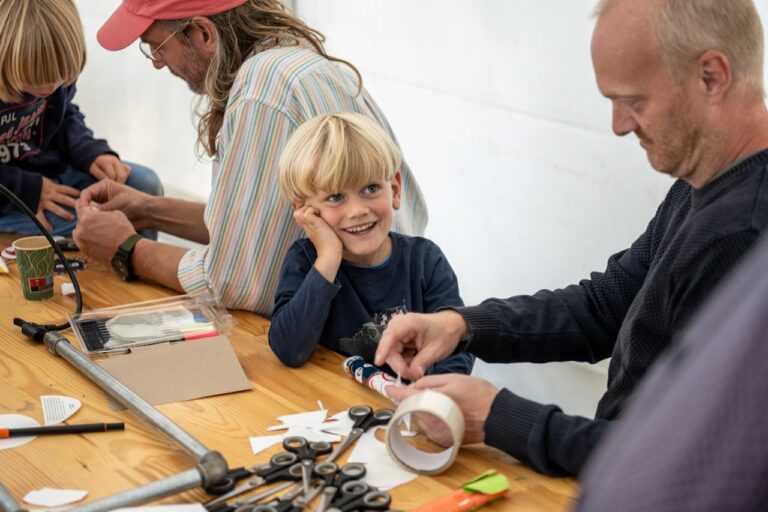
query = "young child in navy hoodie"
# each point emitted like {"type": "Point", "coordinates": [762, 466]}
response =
{"type": "Point", "coordinates": [47, 153]}
{"type": "Point", "coordinates": [341, 173]}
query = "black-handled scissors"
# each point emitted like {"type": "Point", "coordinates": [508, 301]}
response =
{"type": "Point", "coordinates": [308, 452]}
{"type": "Point", "coordinates": [364, 418]}
{"type": "Point", "coordinates": [332, 477]}
{"type": "Point", "coordinates": [282, 466]}
{"type": "Point", "coordinates": [233, 476]}
{"type": "Point", "coordinates": [305, 449]}
{"type": "Point", "coordinates": [284, 503]}
{"type": "Point", "coordinates": [357, 495]}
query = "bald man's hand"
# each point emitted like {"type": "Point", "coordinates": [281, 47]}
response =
{"type": "Point", "coordinates": [413, 342]}
{"type": "Point", "coordinates": [473, 396]}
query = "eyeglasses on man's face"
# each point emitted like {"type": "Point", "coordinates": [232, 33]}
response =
{"type": "Point", "coordinates": [153, 54]}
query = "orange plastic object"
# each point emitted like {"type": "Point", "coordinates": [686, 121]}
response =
{"type": "Point", "coordinates": [459, 501]}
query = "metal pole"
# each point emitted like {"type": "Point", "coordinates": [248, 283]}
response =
{"type": "Point", "coordinates": [212, 468]}
{"type": "Point", "coordinates": [7, 503]}
{"type": "Point", "coordinates": [59, 345]}
{"type": "Point", "coordinates": [145, 493]}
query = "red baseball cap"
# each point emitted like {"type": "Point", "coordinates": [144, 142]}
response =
{"type": "Point", "coordinates": [134, 17]}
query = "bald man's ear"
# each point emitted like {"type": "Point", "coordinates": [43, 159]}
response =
{"type": "Point", "coordinates": [715, 73]}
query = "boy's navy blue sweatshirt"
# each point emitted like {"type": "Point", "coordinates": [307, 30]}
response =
{"type": "Point", "coordinates": [310, 310]}
{"type": "Point", "coordinates": [42, 137]}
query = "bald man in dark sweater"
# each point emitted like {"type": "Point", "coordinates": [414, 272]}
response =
{"type": "Point", "coordinates": [696, 105]}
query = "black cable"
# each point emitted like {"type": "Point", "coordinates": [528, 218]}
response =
{"type": "Point", "coordinates": [33, 330]}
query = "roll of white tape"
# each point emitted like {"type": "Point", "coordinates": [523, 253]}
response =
{"type": "Point", "coordinates": [411, 458]}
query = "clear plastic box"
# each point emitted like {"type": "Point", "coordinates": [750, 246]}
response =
{"type": "Point", "coordinates": [173, 319]}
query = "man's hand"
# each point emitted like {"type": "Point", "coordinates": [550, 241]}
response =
{"type": "Point", "coordinates": [413, 342]}
{"type": "Point", "coordinates": [108, 166]}
{"type": "Point", "coordinates": [99, 233]}
{"type": "Point", "coordinates": [473, 396]}
{"type": "Point", "coordinates": [108, 195]}
{"type": "Point", "coordinates": [327, 243]}
{"type": "Point", "coordinates": [52, 197]}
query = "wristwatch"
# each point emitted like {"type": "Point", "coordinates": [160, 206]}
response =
{"type": "Point", "coordinates": [121, 262]}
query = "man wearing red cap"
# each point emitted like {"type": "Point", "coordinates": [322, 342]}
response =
{"type": "Point", "coordinates": [263, 73]}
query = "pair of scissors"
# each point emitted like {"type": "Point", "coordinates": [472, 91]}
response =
{"type": "Point", "coordinates": [307, 452]}
{"type": "Point", "coordinates": [332, 477]}
{"type": "Point", "coordinates": [282, 466]}
{"type": "Point", "coordinates": [284, 503]}
{"type": "Point", "coordinates": [357, 495]}
{"type": "Point", "coordinates": [364, 418]}
{"type": "Point", "coordinates": [233, 476]}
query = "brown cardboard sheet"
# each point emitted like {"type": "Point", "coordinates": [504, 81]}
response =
{"type": "Point", "coordinates": [175, 372]}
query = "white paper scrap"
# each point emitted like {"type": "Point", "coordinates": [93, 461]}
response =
{"type": "Point", "coordinates": [340, 423]}
{"type": "Point", "coordinates": [261, 443]}
{"type": "Point", "coordinates": [311, 425]}
{"type": "Point", "coordinates": [47, 497]}
{"type": "Point", "coordinates": [381, 470]}
{"type": "Point", "coordinates": [57, 408]}
{"type": "Point", "coordinates": [302, 419]}
{"type": "Point", "coordinates": [16, 421]}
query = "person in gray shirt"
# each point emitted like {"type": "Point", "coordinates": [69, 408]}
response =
{"type": "Point", "coordinates": [695, 436]}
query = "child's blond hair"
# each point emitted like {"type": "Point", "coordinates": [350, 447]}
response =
{"type": "Point", "coordinates": [333, 152]}
{"type": "Point", "coordinates": [41, 43]}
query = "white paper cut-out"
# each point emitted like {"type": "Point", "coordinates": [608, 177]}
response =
{"type": "Point", "coordinates": [16, 421]}
{"type": "Point", "coordinates": [57, 408]}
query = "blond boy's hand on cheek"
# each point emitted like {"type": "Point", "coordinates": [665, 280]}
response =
{"type": "Point", "coordinates": [327, 243]}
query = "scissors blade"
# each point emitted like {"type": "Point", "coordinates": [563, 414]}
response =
{"type": "Point", "coordinates": [237, 491]}
{"type": "Point", "coordinates": [351, 438]}
{"type": "Point", "coordinates": [263, 494]}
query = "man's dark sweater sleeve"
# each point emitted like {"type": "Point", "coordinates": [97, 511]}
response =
{"type": "Point", "coordinates": [542, 436]}
{"type": "Point", "coordinates": [577, 323]}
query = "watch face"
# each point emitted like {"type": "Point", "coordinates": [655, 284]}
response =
{"type": "Point", "coordinates": [120, 268]}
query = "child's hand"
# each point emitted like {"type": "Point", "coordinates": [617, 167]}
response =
{"type": "Point", "coordinates": [53, 197]}
{"type": "Point", "coordinates": [108, 166]}
{"type": "Point", "coordinates": [327, 243]}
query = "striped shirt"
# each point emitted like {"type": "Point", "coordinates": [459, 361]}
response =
{"type": "Point", "coordinates": [250, 224]}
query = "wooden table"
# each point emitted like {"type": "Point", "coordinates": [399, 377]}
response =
{"type": "Point", "coordinates": [107, 463]}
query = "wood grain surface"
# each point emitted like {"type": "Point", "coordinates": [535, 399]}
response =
{"type": "Point", "coordinates": [106, 463]}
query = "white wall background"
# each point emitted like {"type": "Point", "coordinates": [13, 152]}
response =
{"type": "Point", "coordinates": [495, 106]}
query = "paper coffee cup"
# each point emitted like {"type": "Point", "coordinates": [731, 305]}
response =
{"type": "Point", "coordinates": [34, 257]}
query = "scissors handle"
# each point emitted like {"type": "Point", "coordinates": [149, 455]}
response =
{"type": "Point", "coordinates": [379, 417]}
{"type": "Point", "coordinates": [350, 471]}
{"type": "Point", "coordinates": [281, 467]}
{"type": "Point", "coordinates": [357, 495]}
{"type": "Point", "coordinates": [359, 413]}
{"type": "Point", "coordinates": [226, 485]}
